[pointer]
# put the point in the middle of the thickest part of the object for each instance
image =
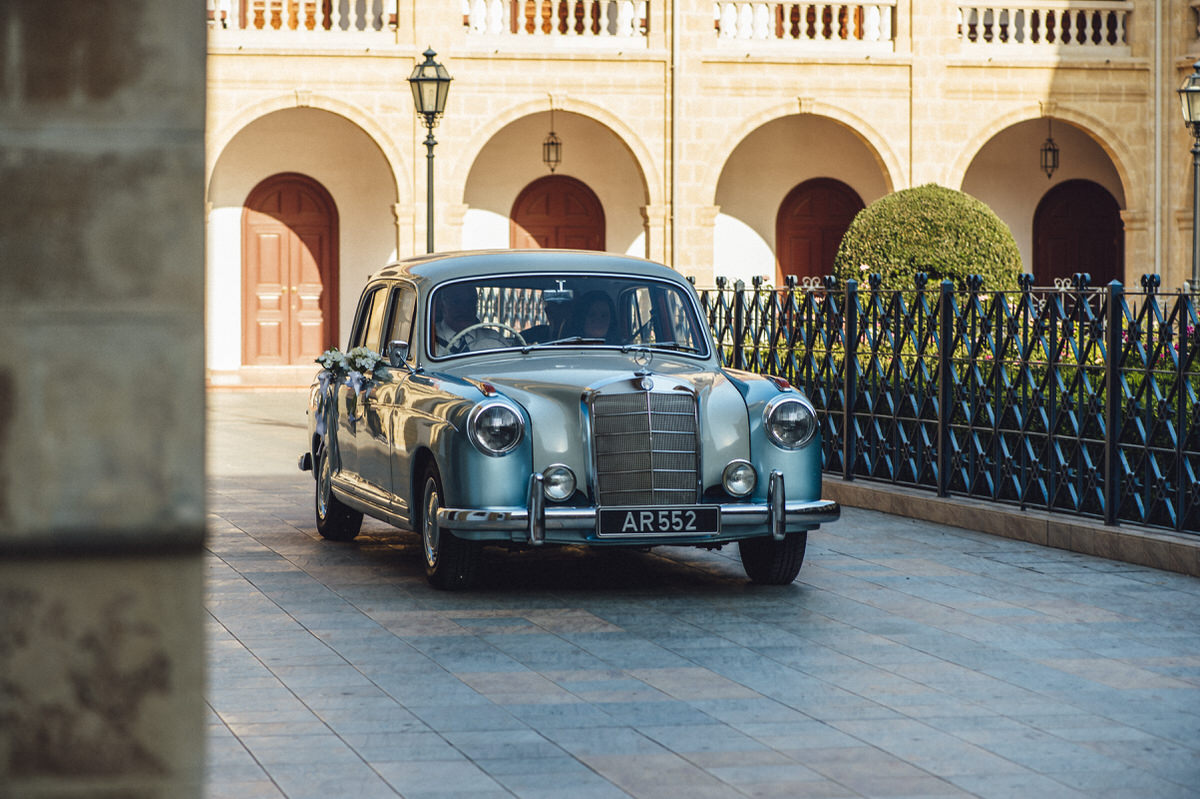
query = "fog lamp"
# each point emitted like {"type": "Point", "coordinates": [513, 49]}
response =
{"type": "Point", "coordinates": [739, 478]}
{"type": "Point", "coordinates": [558, 482]}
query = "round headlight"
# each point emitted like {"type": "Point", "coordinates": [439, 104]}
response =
{"type": "Point", "coordinates": [495, 428]}
{"type": "Point", "coordinates": [558, 482]}
{"type": "Point", "coordinates": [739, 478]}
{"type": "Point", "coordinates": [790, 421]}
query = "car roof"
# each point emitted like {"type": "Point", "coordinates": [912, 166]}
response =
{"type": "Point", "coordinates": [440, 267]}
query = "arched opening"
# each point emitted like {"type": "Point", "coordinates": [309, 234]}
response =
{"type": "Point", "coordinates": [762, 202]}
{"type": "Point", "coordinates": [289, 269]}
{"type": "Point", "coordinates": [557, 211]}
{"type": "Point", "coordinates": [811, 222]}
{"type": "Point", "coordinates": [1077, 228]}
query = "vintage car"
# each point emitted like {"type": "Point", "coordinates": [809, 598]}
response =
{"type": "Point", "coordinates": [538, 397]}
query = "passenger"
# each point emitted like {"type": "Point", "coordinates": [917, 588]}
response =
{"type": "Point", "coordinates": [596, 317]}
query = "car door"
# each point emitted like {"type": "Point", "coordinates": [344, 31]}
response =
{"type": "Point", "coordinates": [368, 329]}
{"type": "Point", "coordinates": [376, 438]}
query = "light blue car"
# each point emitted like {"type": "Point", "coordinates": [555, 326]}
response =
{"type": "Point", "coordinates": [549, 397]}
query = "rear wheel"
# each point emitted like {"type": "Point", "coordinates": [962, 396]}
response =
{"type": "Point", "coordinates": [335, 521]}
{"type": "Point", "coordinates": [451, 563]}
{"type": "Point", "coordinates": [772, 562]}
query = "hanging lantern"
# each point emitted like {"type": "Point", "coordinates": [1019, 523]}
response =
{"type": "Point", "coordinates": [552, 145]}
{"type": "Point", "coordinates": [1049, 157]}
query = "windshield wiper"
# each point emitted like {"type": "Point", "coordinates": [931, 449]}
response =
{"type": "Point", "coordinates": [661, 345]}
{"type": "Point", "coordinates": [567, 340]}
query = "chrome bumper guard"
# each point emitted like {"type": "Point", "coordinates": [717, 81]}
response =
{"type": "Point", "coordinates": [776, 515]}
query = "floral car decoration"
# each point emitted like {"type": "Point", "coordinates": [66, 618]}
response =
{"type": "Point", "coordinates": [528, 398]}
{"type": "Point", "coordinates": [353, 369]}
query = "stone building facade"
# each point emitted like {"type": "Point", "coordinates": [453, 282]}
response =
{"type": "Point", "coordinates": [723, 138]}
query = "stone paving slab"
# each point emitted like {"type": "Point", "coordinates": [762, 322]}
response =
{"type": "Point", "coordinates": [910, 659]}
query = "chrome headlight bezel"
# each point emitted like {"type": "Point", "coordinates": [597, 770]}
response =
{"type": "Point", "coordinates": [480, 438]}
{"type": "Point", "coordinates": [558, 482]}
{"type": "Point", "coordinates": [775, 425]}
{"type": "Point", "coordinates": [728, 478]}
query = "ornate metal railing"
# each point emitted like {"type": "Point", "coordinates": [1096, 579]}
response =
{"type": "Point", "coordinates": [1075, 399]}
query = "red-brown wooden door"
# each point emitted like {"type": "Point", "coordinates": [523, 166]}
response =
{"type": "Point", "coordinates": [557, 211]}
{"type": "Point", "coordinates": [1077, 228]}
{"type": "Point", "coordinates": [810, 224]}
{"type": "Point", "coordinates": [289, 269]}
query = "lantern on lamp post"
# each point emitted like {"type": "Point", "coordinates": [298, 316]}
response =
{"type": "Point", "coordinates": [1189, 98]}
{"type": "Point", "coordinates": [430, 84]}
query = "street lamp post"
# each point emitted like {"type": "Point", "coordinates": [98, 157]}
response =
{"type": "Point", "coordinates": [430, 84]}
{"type": "Point", "coordinates": [1189, 97]}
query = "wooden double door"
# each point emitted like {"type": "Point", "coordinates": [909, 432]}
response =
{"type": "Point", "coordinates": [1078, 228]}
{"type": "Point", "coordinates": [289, 271]}
{"type": "Point", "coordinates": [809, 227]}
{"type": "Point", "coordinates": [557, 211]}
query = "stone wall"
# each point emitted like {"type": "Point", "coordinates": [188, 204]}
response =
{"type": "Point", "coordinates": [101, 397]}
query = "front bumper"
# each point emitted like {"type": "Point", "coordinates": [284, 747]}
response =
{"type": "Point", "coordinates": [537, 524]}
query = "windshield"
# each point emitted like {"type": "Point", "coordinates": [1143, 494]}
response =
{"type": "Point", "coordinates": [529, 312]}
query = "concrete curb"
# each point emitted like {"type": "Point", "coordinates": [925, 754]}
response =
{"type": "Point", "coordinates": [1155, 548]}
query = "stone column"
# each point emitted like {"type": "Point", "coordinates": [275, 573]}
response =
{"type": "Point", "coordinates": [654, 217]}
{"type": "Point", "coordinates": [101, 398]}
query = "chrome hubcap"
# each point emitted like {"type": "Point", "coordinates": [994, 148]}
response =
{"type": "Point", "coordinates": [429, 526]}
{"type": "Point", "coordinates": [324, 481]}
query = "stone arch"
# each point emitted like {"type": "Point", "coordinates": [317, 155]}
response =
{"type": "Point", "coordinates": [642, 157]}
{"type": "Point", "coordinates": [1101, 134]}
{"type": "Point", "coordinates": [352, 114]}
{"type": "Point", "coordinates": [890, 167]}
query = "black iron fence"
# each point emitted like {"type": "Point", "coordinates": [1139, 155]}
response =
{"type": "Point", "coordinates": [1075, 399]}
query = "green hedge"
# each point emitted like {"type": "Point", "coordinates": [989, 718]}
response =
{"type": "Point", "coordinates": [944, 233]}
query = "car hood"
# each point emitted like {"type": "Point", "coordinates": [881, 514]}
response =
{"type": "Point", "coordinates": [551, 387]}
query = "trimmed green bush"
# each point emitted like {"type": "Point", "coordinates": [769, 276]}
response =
{"type": "Point", "coordinates": [944, 233]}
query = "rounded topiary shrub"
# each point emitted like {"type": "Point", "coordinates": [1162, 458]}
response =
{"type": "Point", "coordinates": [944, 233]}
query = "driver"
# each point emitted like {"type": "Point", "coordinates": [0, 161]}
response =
{"type": "Point", "coordinates": [455, 312]}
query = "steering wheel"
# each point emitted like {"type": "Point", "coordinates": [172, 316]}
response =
{"type": "Point", "coordinates": [498, 325]}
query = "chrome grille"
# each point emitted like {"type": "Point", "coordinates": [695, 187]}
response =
{"type": "Point", "coordinates": [646, 448]}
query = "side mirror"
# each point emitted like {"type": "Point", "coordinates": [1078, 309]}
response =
{"type": "Point", "coordinates": [397, 354]}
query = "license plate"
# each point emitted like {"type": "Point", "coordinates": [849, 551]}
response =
{"type": "Point", "coordinates": [659, 520]}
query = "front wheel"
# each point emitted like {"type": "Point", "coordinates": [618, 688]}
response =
{"type": "Point", "coordinates": [772, 562]}
{"type": "Point", "coordinates": [451, 563]}
{"type": "Point", "coordinates": [335, 521]}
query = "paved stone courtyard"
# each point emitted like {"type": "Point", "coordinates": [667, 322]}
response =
{"type": "Point", "coordinates": [908, 660]}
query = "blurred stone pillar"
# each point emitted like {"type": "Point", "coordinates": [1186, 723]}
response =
{"type": "Point", "coordinates": [101, 397]}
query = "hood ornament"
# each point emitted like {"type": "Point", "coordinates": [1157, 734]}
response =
{"type": "Point", "coordinates": [642, 357]}
{"type": "Point", "coordinates": [641, 376]}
